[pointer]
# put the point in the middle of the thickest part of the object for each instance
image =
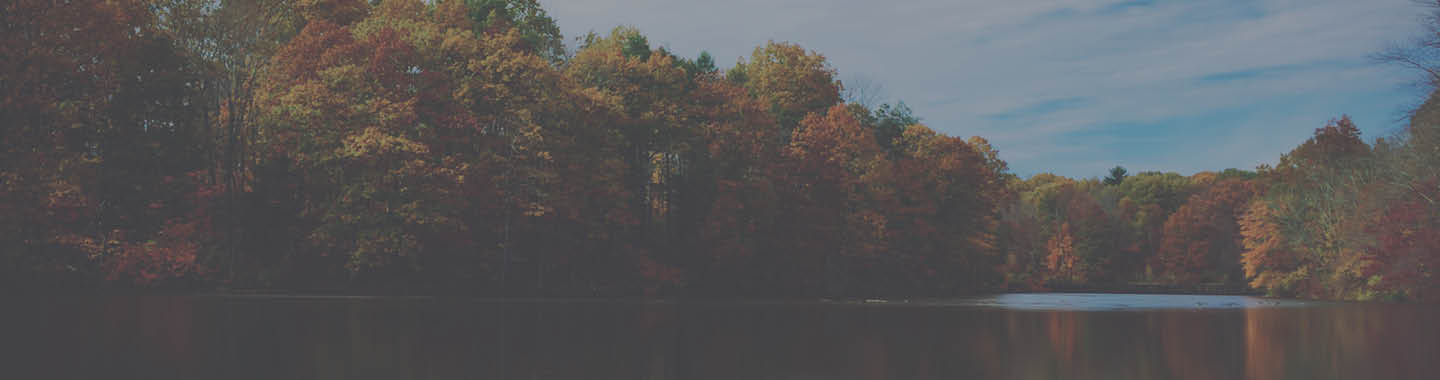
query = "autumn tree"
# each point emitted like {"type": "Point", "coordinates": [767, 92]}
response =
{"type": "Point", "coordinates": [743, 156]}
{"type": "Point", "coordinates": [829, 167]}
{"type": "Point", "coordinates": [94, 98]}
{"type": "Point", "coordinates": [794, 81]}
{"type": "Point", "coordinates": [1097, 234]}
{"type": "Point", "coordinates": [457, 146]}
{"type": "Point", "coordinates": [1313, 201]}
{"type": "Point", "coordinates": [1203, 240]}
{"type": "Point", "coordinates": [944, 214]}
{"type": "Point", "coordinates": [342, 105]}
{"type": "Point", "coordinates": [1022, 244]}
{"type": "Point", "coordinates": [1402, 257]}
{"type": "Point", "coordinates": [1396, 254]}
{"type": "Point", "coordinates": [660, 136]}
{"type": "Point", "coordinates": [1145, 201]}
{"type": "Point", "coordinates": [1092, 242]}
{"type": "Point", "coordinates": [1270, 261]}
{"type": "Point", "coordinates": [1062, 262]}
{"type": "Point", "coordinates": [537, 30]}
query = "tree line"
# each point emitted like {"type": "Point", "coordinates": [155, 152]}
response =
{"type": "Point", "coordinates": [458, 146]}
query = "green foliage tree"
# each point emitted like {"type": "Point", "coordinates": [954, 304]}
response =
{"type": "Point", "coordinates": [538, 31]}
{"type": "Point", "coordinates": [704, 63]}
{"type": "Point", "coordinates": [891, 121]}
{"type": "Point", "coordinates": [1117, 176]}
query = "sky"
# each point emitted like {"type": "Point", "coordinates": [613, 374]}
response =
{"type": "Point", "coordinates": [1075, 87]}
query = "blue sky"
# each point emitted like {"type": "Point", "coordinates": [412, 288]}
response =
{"type": "Point", "coordinates": [1075, 87]}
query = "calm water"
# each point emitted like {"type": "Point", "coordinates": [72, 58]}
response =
{"type": "Point", "coordinates": [1033, 336]}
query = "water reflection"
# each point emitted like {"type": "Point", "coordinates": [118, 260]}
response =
{"type": "Point", "coordinates": [276, 338]}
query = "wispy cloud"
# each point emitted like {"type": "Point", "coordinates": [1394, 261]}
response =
{"type": "Point", "coordinates": [1041, 108]}
{"type": "Point", "coordinates": [1125, 6]}
{"type": "Point", "coordinates": [1049, 81]}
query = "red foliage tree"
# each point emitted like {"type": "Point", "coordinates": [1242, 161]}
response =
{"type": "Point", "coordinates": [175, 252]}
{"type": "Point", "coordinates": [1202, 239]}
{"type": "Point", "coordinates": [1405, 256]}
{"type": "Point", "coordinates": [826, 168]}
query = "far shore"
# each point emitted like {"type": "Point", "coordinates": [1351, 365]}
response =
{"type": "Point", "coordinates": [280, 293]}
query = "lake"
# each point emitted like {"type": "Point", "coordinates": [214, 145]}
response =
{"type": "Point", "coordinates": [1017, 336]}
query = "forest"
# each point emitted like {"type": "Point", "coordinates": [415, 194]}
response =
{"type": "Point", "coordinates": [463, 147]}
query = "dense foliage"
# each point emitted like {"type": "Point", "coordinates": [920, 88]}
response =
{"type": "Point", "coordinates": [457, 146]}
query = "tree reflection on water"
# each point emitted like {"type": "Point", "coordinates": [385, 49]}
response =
{"type": "Point", "coordinates": [189, 337]}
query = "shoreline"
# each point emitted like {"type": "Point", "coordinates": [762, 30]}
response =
{"type": "Point", "coordinates": [285, 294]}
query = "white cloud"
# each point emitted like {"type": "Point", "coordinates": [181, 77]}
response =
{"type": "Point", "coordinates": [955, 62]}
